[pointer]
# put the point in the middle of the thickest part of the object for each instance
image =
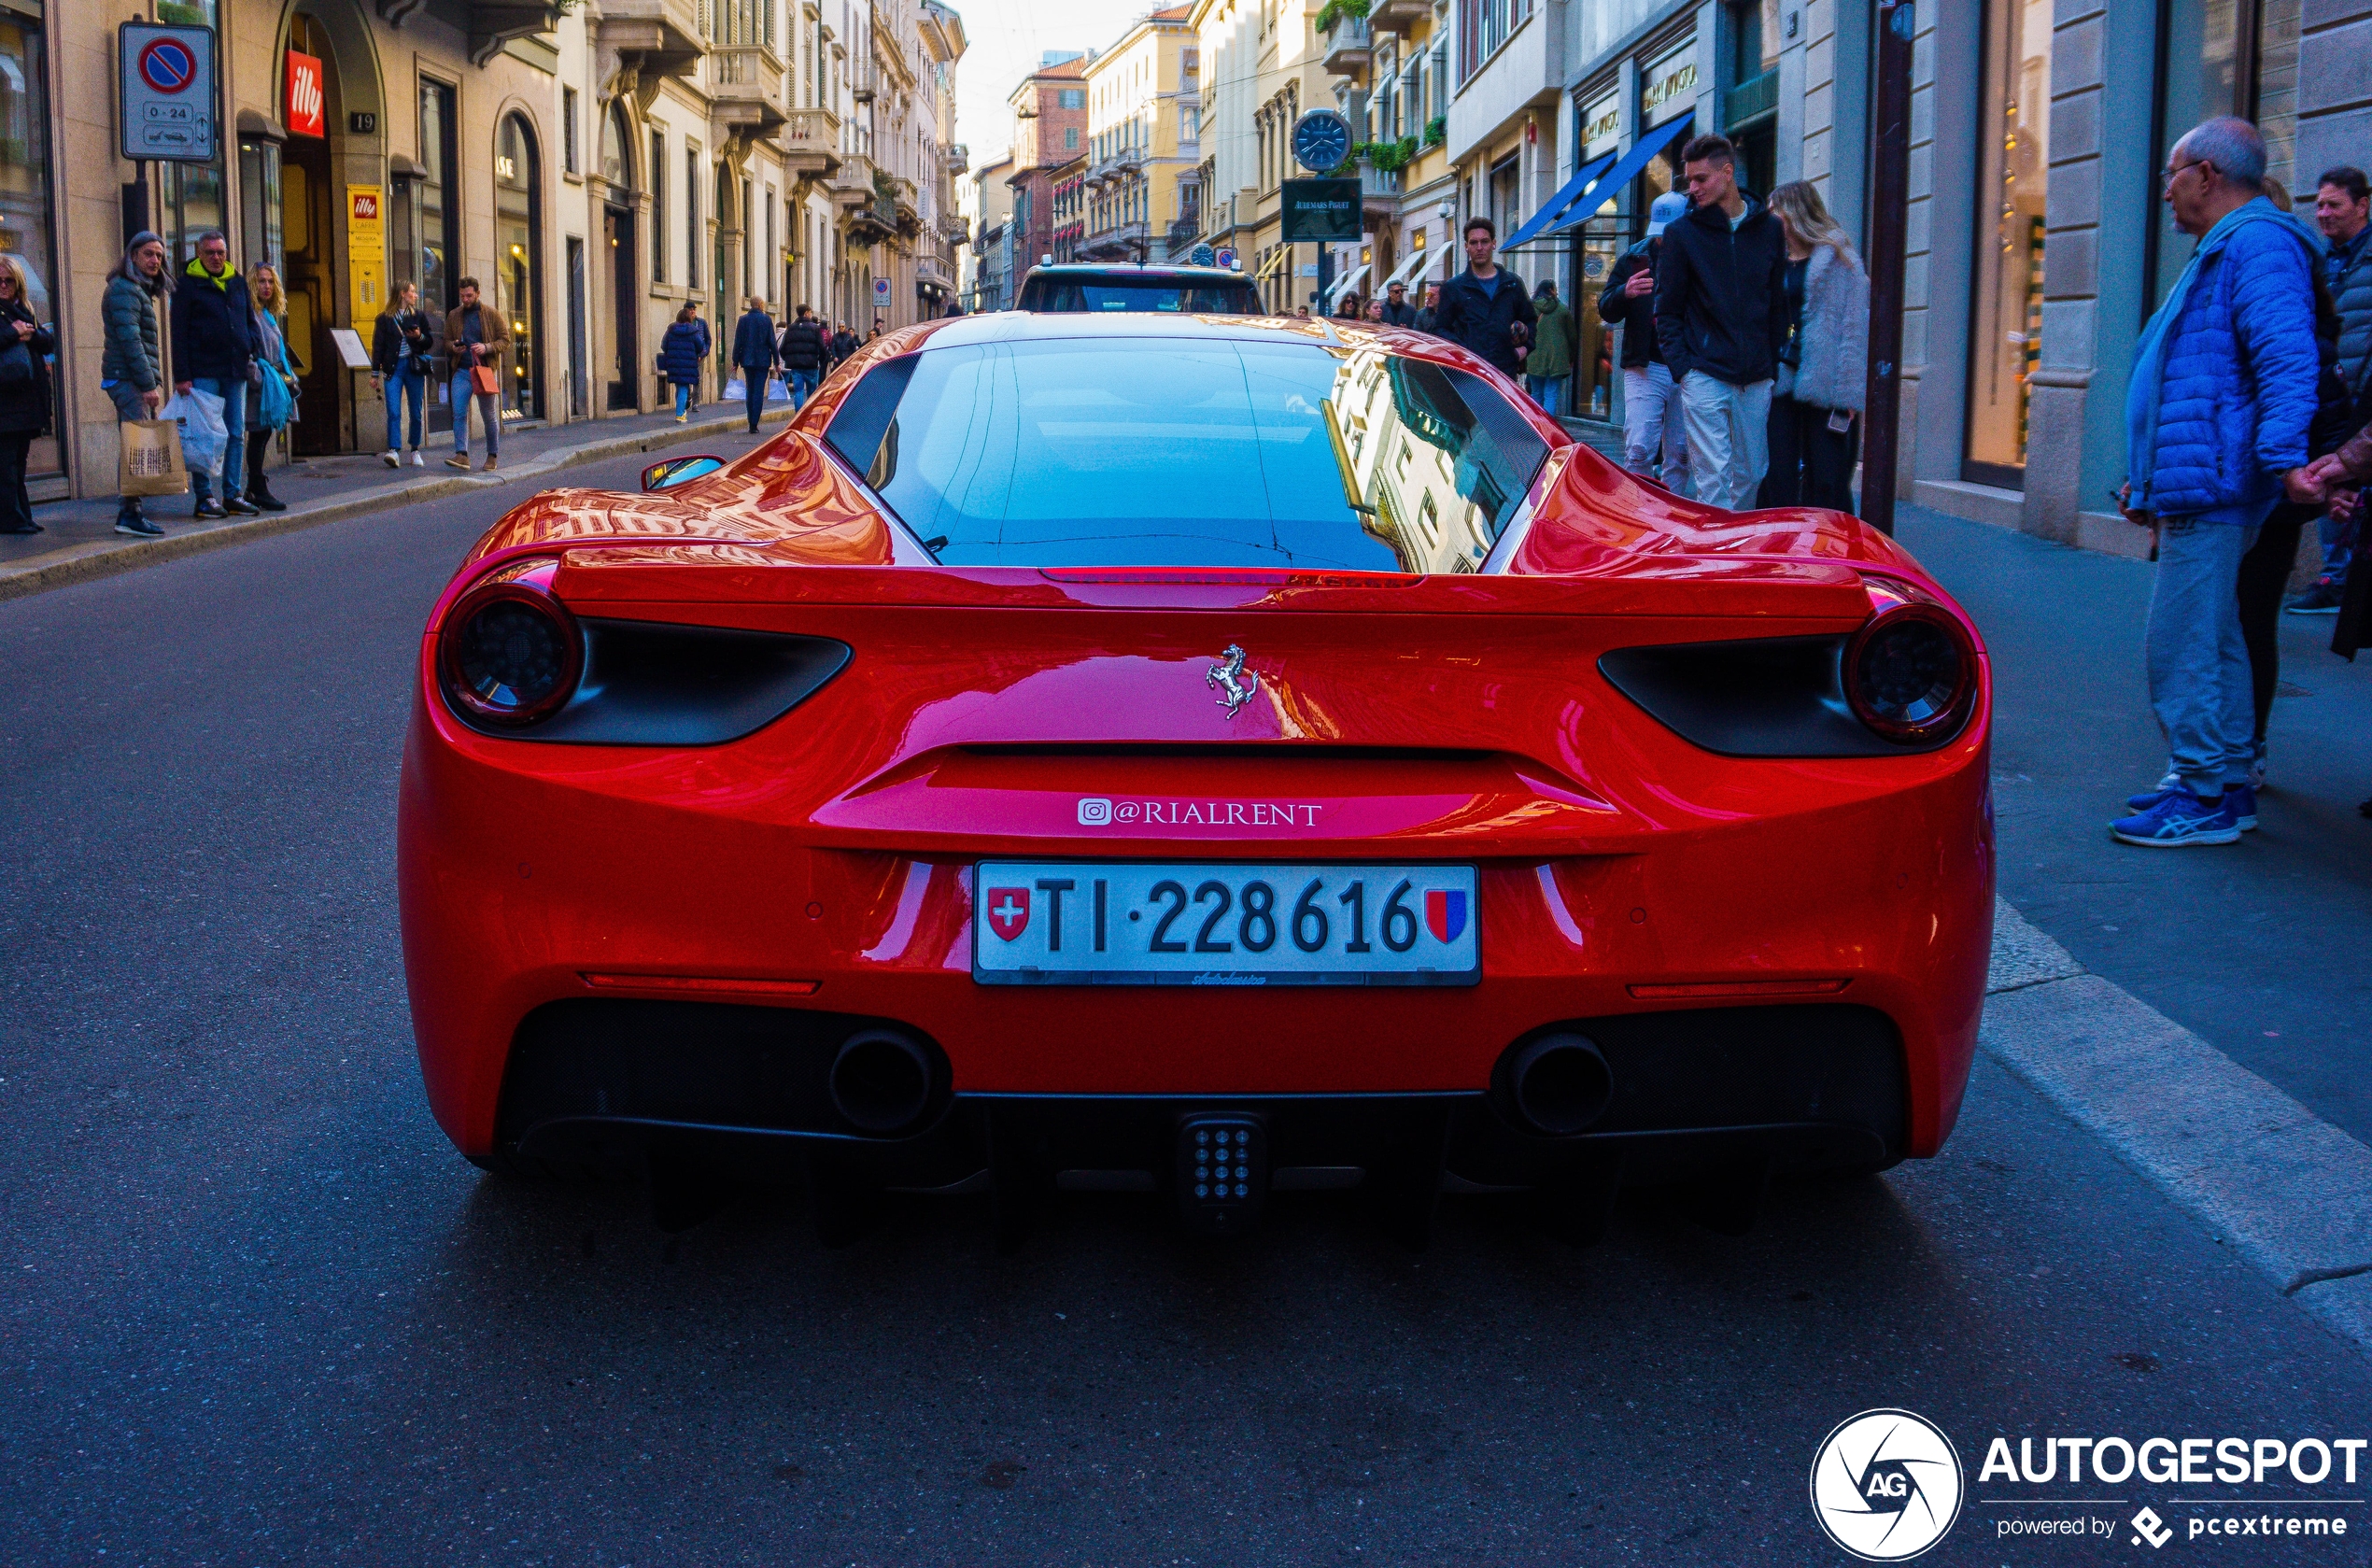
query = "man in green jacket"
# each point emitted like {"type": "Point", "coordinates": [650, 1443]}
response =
{"type": "Point", "coordinates": [1556, 345]}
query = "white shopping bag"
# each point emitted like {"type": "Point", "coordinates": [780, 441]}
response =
{"type": "Point", "coordinates": [198, 413]}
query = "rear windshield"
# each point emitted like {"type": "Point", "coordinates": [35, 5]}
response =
{"type": "Point", "coordinates": [1139, 452]}
{"type": "Point", "coordinates": [1191, 298]}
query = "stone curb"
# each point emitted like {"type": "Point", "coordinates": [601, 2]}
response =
{"type": "Point", "coordinates": [81, 563]}
{"type": "Point", "coordinates": [2288, 1191]}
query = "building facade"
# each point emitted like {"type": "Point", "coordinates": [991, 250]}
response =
{"type": "Point", "coordinates": [596, 166]}
{"type": "Point", "coordinates": [2038, 244]}
{"type": "Point", "coordinates": [1141, 186]}
{"type": "Point", "coordinates": [1050, 131]}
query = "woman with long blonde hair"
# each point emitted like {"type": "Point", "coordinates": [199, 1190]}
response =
{"type": "Point", "coordinates": [276, 392]}
{"type": "Point", "coordinates": [1815, 408]}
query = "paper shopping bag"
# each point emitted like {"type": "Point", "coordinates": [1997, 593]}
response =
{"type": "Point", "coordinates": [484, 382]}
{"type": "Point", "coordinates": [149, 459]}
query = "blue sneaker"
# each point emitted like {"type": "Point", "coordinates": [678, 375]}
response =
{"type": "Point", "coordinates": [2179, 819]}
{"type": "Point", "coordinates": [2241, 801]}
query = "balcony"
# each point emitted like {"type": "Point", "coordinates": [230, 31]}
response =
{"type": "Point", "coordinates": [1117, 244]}
{"type": "Point", "coordinates": [810, 143]}
{"type": "Point", "coordinates": [494, 23]}
{"type": "Point", "coordinates": [1380, 190]}
{"type": "Point", "coordinates": [864, 81]}
{"type": "Point", "coordinates": [1398, 16]}
{"type": "Point", "coordinates": [852, 184]}
{"type": "Point", "coordinates": [658, 38]}
{"type": "Point", "coordinates": [1348, 47]}
{"type": "Point", "coordinates": [744, 91]}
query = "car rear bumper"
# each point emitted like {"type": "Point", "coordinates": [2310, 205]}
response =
{"type": "Point", "coordinates": [602, 1082]}
{"type": "Point", "coordinates": [525, 893]}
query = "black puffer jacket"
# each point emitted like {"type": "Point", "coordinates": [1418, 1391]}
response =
{"type": "Point", "coordinates": [1636, 317]}
{"type": "Point", "coordinates": [213, 327]}
{"type": "Point", "coordinates": [24, 405]}
{"type": "Point", "coordinates": [1483, 320]}
{"type": "Point", "coordinates": [804, 346]}
{"type": "Point", "coordinates": [1721, 295]}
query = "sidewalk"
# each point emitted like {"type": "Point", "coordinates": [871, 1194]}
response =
{"type": "Point", "coordinates": [2257, 947]}
{"type": "Point", "coordinates": [81, 542]}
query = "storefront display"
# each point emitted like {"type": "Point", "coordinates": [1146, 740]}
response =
{"type": "Point", "coordinates": [2006, 320]}
{"type": "Point", "coordinates": [25, 188]}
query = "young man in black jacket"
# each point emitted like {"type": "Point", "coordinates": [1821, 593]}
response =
{"type": "Point", "coordinates": [1721, 319]}
{"type": "Point", "coordinates": [1483, 308]}
{"type": "Point", "coordinates": [1653, 439]}
{"type": "Point", "coordinates": [806, 353]}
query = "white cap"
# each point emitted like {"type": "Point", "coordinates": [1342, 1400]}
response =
{"type": "Point", "coordinates": [1670, 208]}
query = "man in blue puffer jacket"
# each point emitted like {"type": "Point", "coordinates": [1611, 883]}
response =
{"type": "Point", "coordinates": [2224, 390]}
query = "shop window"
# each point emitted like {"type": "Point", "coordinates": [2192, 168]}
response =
{"type": "Point", "coordinates": [2237, 57]}
{"type": "Point", "coordinates": [260, 211]}
{"type": "Point", "coordinates": [25, 233]}
{"type": "Point", "coordinates": [2006, 320]}
{"type": "Point", "coordinates": [518, 240]}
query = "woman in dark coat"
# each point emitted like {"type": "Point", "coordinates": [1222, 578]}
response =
{"type": "Point", "coordinates": [680, 354]}
{"type": "Point", "coordinates": [25, 344]}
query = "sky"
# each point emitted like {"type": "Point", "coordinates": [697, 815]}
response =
{"type": "Point", "coordinates": [1003, 40]}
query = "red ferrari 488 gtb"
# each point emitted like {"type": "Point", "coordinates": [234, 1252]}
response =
{"type": "Point", "coordinates": [1202, 754]}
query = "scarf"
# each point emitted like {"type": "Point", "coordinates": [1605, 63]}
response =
{"type": "Point", "coordinates": [197, 269]}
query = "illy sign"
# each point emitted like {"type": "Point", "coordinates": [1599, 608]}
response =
{"type": "Point", "coordinates": [304, 96]}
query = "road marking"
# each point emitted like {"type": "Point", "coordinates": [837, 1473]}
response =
{"type": "Point", "coordinates": [2290, 1191]}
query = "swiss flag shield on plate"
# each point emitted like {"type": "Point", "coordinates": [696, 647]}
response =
{"type": "Point", "coordinates": [1445, 914]}
{"type": "Point", "coordinates": [1008, 912]}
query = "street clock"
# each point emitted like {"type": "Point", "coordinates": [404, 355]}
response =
{"type": "Point", "coordinates": [1321, 140]}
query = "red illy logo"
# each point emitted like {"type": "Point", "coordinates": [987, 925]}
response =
{"type": "Point", "coordinates": [304, 95]}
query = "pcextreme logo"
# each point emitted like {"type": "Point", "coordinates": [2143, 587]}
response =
{"type": "Point", "coordinates": [1886, 1485]}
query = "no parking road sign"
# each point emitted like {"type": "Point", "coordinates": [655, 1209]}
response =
{"type": "Point", "coordinates": [167, 92]}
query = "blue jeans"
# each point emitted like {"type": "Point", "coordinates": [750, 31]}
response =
{"type": "Point", "coordinates": [683, 399]}
{"type": "Point", "coordinates": [406, 383]}
{"type": "Point", "coordinates": [2198, 660]}
{"type": "Point", "coordinates": [1547, 391]}
{"type": "Point", "coordinates": [489, 417]}
{"type": "Point", "coordinates": [802, 386]}
{"type": "Point", "coordinates": [233, 390]}
{"type": "Point", "coordinates": [2339, 541]}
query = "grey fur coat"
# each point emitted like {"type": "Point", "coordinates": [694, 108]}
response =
{"type": "Point", "coordinates": [1835, 369]}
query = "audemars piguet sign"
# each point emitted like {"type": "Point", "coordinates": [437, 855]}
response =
{"type": "Point", "coordinates": [1320, 209]}
{"type": "Point", "coordinates": [165, 92]}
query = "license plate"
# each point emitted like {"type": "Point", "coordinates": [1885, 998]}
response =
{"type": "Point", "coordinates": [1064, 922]}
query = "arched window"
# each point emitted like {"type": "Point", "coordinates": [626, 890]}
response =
{"type": "Point", "coordinates": [616, 139]}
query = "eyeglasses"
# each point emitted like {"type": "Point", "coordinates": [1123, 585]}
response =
{"type": "Point", "coordinates": [2175, 171]}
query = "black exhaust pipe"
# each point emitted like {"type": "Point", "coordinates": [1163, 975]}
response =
{"type": "Point", "coordinates": [1558, 1083]}
{"type": "Point", "coordinates": [884, 1081]}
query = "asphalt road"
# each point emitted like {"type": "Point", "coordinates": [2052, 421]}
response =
{"type": "Point", "coordinates": [260, 1313]}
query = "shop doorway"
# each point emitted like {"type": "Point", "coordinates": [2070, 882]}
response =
{"type": "Point", "coordinates": [307, 239]}
{"type": "Point", "coordinates": [617, 230]}
{"type": "Point", "coordinates": [518, 275]}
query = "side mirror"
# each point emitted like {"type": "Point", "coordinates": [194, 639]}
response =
{"type": "Point", "coordinates": [671, 472]}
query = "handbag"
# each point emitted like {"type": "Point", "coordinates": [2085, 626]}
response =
{"type": "Point", "coordinates": [483, 381]}
{"type": "Point", "coordinates": [15, 366]}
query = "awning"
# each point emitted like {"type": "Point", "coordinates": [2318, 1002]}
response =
{"type": "Point", "coordinates": [1277, 258]}
{"type": "Point", "coordinates": [1623, 173]}
{"type": "Point", "coordinates": [1555, 206]}
{"type": "Point", "coordinates": [1344, 284]}
{"type": "Point", "coordinates": [1408, 269]}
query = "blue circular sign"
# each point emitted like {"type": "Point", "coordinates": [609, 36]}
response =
{"type": "Point", "coordinates": [168, 65]}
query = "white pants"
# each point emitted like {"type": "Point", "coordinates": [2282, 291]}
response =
{"type": "Point", "coordinates": [1652, 427]}
{"type": "Point", "coordinates": [1729, 438]}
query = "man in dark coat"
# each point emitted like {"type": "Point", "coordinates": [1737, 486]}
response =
{"type": "Point", "coordinates": [843, 344]}
{"type": "Point", "coordinates": [1653, 441]}
{"type": "Point", "coordinates": [213, 342]}
{"type": "Point", "coordinates": [1429, 313]}
{"type": "Point", "coordinates": [753, 355]}
{"type": "Point", "coordinates": [1721, 319]}
{"type": "Point", "coordinates": [806, 353]}
{"type": "Point", "coordinates": [1485, 309]}
{"type": "Point", "coordinates": [1398, 312]}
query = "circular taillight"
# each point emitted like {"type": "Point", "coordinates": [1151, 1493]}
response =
{"type": "Point", "coordinates": [1910, 673]}
{"type": "Point", "coordinates": [510, 654]}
